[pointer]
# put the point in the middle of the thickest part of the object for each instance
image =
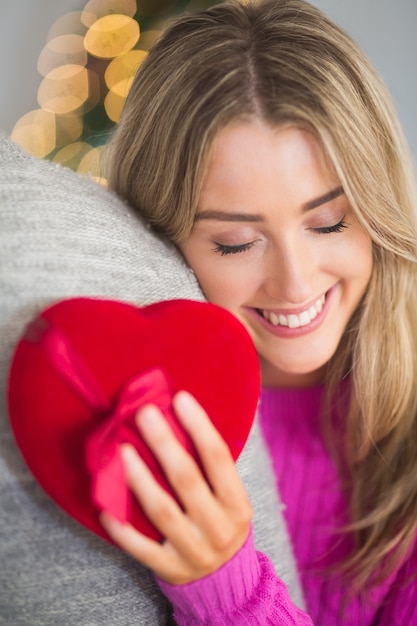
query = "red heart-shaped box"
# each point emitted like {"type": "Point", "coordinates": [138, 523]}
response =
{"type": "Point", "coordinates": [85, 366]}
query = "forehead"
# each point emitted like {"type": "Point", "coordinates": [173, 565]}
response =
{"type": "Point", "coordinates": [235, 142]}
{"type": "Point", "coordinates": [253, 154]}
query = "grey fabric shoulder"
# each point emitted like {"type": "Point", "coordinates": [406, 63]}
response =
{"type": "Point", "coordinates": [62, 235]}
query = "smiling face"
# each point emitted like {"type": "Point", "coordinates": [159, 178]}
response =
{"type": "Point", "coordinates": [276, 243]}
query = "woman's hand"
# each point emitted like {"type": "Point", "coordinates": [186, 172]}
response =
{"type": "Point", "coordinates": [216, 517]}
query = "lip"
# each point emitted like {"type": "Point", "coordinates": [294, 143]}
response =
{"type": "Point", "coordinates": [292, 333]}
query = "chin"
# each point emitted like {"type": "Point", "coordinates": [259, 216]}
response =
{"type": "Point", "coordinates": [273, 376]}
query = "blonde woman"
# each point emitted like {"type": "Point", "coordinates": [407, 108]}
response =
{"type": "Point", "coordinates": [257, 137]}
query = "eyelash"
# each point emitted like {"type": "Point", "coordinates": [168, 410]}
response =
{"type": "Point", "coordinates": [224, 250]}
{"type": "Point", "coordinates": [244, 247]}
{"type": "Point", "coordinates": [336, 228]}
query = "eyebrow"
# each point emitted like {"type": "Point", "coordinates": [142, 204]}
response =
{"type": "Point", "coordinates": [327, 197]}
{"type": "Point", "coordinates": [225, 216]}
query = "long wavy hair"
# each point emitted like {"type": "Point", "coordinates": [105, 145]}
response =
{"type": "Point", "coordinates": [285, 62]}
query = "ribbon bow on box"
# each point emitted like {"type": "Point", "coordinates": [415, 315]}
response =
{"type": "Point", "coordinates": [83, 369]}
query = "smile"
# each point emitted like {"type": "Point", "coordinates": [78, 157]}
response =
{"type": "Point", "coordinates": [294, 320]}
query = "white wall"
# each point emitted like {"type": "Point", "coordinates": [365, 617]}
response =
{"type": "Point", "coordinates": [24, 26]}
{"type": "Point", "coordinates": [385, 29]}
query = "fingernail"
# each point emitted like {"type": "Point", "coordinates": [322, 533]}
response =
{"type": "Point", "coordinates": [148, 417]}
{"type": "Point", "coordinates": [128, 453]}
{"type": "Point", "coordinates": [184, 401]}
{"type": "Point", "coordinates": [109, 522]}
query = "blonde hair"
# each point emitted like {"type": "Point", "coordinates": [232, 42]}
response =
{"type": "Point", "coordinates": [285, 62]}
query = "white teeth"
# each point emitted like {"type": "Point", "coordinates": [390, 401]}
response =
{"type": "Point", "coordinates": [273, 318]}
{"type": "Point", "coordinates": [283, 320]}
{"type": "Point", "coordinates": [304, 318]}
{"type": "Point", "coordinates": [295, 320]}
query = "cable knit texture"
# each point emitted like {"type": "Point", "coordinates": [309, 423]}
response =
{"type": "Point", "coordinates": [246, 591]}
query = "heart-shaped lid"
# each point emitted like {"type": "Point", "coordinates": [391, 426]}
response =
{"type": "Point", "coordinates": [85, 366]}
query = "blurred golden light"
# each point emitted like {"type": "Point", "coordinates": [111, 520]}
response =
{"type": "Point", "coordinates": [91, 164]}
{"type": "Point", "coordinates": [87, 68]}
{"type": "Point", "coordinates": [68, 24]}
{"type": "Point", "coordinates": [111, 35]}
{"type": "Point", "coordinates": [94, 9]}
{"type": "Point", "coordinates": [123, 67]}
{"type": "Point", "coordinates": [72, 154]}
{"type": "Point", "coordinates": [69, 128]}
{"type": "Point", "coordinates": [62, 50]}
{"type": "Point", "coordinates": [122, 87]}
{"type": "Point", "coordinates": [64, 89]}
{"type": "Point", "coordinates": [115, 100]}
{"type": "Point", "coordinates": [36, 132]}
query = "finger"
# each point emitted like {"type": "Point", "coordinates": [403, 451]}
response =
{"type": "Point", "coordinates": [150, 553]}
{"type": "Point", "coordinates": [131, 540]}
{"type": "Point", "coordinates": [181, 470]}
{"type": "Point", "coordinates": [158, 505]}
{"type": "Point", "coordinates": [161, 509]}
{"type": "Point", "coordinates": [163, 560]}
{"type": "Point", "coordinates": [213, 451]}
{"type": "Point", "coordinates": [185, 477]}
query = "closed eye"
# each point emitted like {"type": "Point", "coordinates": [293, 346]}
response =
{"type": "Point", "coordinates": [224, 250]}
{"type": "Point", "coordinates": [336, 228]}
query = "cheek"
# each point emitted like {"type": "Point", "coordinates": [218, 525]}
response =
{"type": "Point", "coordinates": [212, 280]}
{"type": "Point", "coordinates": [362, 257]}
{"type": "Point", "coordinates": [353, 258]}
{"type": "Point", "coordinates": [220, 288]}
{"type": "Point", "coordinates": [222, 280]}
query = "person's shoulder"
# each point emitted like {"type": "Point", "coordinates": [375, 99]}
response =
{"type": "Point", "coordinates": [63, 235]}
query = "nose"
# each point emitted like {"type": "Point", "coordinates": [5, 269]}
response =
{"type": "Point", "coordinates": [290, 273]}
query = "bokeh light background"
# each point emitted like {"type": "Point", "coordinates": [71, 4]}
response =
{"type": "Point", "coordinates": [86, 68]}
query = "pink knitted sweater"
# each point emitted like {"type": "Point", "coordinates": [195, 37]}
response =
{"type": "Point", "coordinates": [246, 590]}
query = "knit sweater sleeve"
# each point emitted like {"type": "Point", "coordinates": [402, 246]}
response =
{"type": "Point", "coordinates": [245, 591]}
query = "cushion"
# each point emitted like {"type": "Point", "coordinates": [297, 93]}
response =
{"type": "Point", "coordinates": [63, 236]}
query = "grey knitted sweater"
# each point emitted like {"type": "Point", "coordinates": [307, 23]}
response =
{"type": "Point", "coordinates": [62, 235]}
